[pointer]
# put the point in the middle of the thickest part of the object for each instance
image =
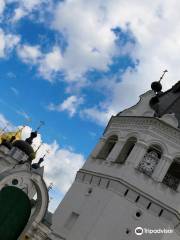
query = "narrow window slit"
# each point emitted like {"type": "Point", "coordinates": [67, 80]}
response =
{"type": "Point", "coordinates": [126, 192]}
{"type": "Point", "coordinates": [160, 213]}
{"type": "Point", "coordinates": [137, 199]}
{"type": "Point", "coordinates": [149, 205]}
{"type": "Point", "coordinates": [91, 180]}
{"type": "Point", "coordinates": [108, 184]}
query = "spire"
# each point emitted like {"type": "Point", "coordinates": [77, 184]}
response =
{"type": "Point", "coordinates": [37, 165]}
{"type": "Point", "coordinates": [157, 86]}
{"type": "Point", "coordinates": [34, 134]}
{"type": "Point", "coordinates": [40, 145]}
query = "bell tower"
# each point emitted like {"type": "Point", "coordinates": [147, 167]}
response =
{"type": "Point", "coordinates": [129, 187]}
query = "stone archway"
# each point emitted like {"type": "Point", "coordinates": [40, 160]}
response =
{"type": "Point", "coordinates": [42, 196]}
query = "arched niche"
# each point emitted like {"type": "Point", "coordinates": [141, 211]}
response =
{"type": "Point", "coordinates": [126, 150]}
{"type": "Point", "coordinates": [108, 147]}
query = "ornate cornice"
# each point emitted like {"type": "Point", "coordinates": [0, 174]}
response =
{"type": "Point", "coordinates": [145, 123]}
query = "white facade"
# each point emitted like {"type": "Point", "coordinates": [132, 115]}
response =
{"type": "Point", "coordinates": [123, 184]}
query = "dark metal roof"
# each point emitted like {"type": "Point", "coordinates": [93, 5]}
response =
{"type": "Point", "coordinates": [25, 147]}
{"type": "Point", "coordinates": [167, 102]}
{"type": "Point", "coordinates": [6, 144]}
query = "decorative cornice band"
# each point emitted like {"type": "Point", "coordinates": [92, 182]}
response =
{"type": "Point", "coordinates": [151, 123]}
{"type": "Point", "coordinates": [120, 187]}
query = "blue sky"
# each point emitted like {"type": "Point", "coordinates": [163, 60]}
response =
{"type": "Point", "coordinates": [74, 64]}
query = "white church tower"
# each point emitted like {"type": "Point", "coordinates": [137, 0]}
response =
{"type": "Point", "coordinates": [131, 180]}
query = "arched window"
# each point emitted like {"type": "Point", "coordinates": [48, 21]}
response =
{"type": "Point", "coordinates": [150, 160]}
{"type": "Point", "coordinates": [126, 150]}
{"type": "Point", "coordinates": [172, 177]}
{"type": "Point", "coordinates": [108, 146]}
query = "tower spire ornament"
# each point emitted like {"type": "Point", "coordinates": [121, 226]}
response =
{"type": "Point", "coordinates": [40, 145]}
{"type": "Point", "coordinates": [164, 72]}
{"type": "Point", "coordinates": [157, 86]}
{"type": "Point", "coordinates": [42, 123]}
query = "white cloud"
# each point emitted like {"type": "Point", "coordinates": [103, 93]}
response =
{"type": "Point", "coordinates": [2, 6]}
{"type": "Point", "coordinates": [156, 47]}
{"type": "Point", "coordinates": [7, 43]}
{"type": "Point", "coordinates": [18, 14]}
{"type": "Point", "coordinates": [29, 54]}
{"type": "Point", "coordinates": [50, 63]}
{"type": "Point", "coordinates": [70, 105]}
{"type": "Point", "coordinates": [2, 43]}
{"type": "Point", "coordinates": [91, 43]}
{"type": "Point", "coordinates": [99, 116]}
{"type": "Point", "coordinates": [61, 166]}
{"type": "Point", "coordinates": [26, 7]}
{"type": "Point", "coordinates": [11, 41]}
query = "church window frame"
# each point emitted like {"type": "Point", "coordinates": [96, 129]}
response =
{"type": "Point", "coordinates": [108, 147]}
{"type": "Point", "coordinates": [126, 150]}
{"type": "Point", "coordinates": [171, 178]}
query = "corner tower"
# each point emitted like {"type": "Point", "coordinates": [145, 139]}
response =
{"type": "Point", "coordinates": [132, 177]}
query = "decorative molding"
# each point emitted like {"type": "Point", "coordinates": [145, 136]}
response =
{"type": "Point", "coordinates": [144, 123]}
